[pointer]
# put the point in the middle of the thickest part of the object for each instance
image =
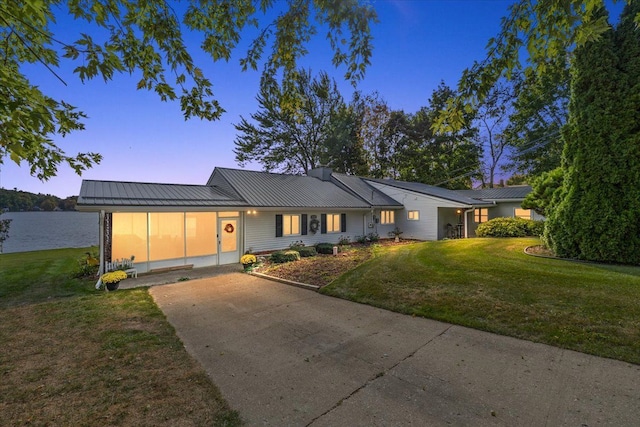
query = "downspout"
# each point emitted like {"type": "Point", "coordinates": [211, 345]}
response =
{"type": "Point", "coordinates": [243, 218]}
{"type": "Point", "coordinates": [364, 224]}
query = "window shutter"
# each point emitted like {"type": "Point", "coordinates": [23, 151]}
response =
{"type": "Point", "coordinates": [278, 225]}
{"type": "Point", "coordinates": [323, 223]}
{"type": "Point", "coordinates": [343, 222]}
{"type": "Point", "coordinates": [303, 224]}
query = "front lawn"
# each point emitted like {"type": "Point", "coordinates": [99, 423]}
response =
{"type": "Point", "coordinates": [490, 284]}
{"type": "Point", "coordinates": [72, 355]}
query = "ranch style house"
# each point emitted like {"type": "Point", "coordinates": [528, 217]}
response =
{"type": "Point", "coordinates": [238, 211]}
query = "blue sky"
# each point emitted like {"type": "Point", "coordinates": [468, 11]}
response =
{"type": "Point", "coordinates": [417, 43]}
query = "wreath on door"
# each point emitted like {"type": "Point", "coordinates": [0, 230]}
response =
{"type": "Point", "coordinates": [229, 228]}
{"type": "Point", "coordinates": [314, 224]}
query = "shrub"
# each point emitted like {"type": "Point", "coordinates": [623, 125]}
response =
{"type": "Point", "coordinates": [361, 239]}
{"type": "Point", "coordinates": [285, 256]}
{"type": "Point", "coordinates": [535, 228]}
{"type": "Point", "coordinates": [510, 227]}
{"type": "Point", "coordinates": [87, 266]}
{"type": "Point", "coordinates": [325, 248]}
{"type": "Point", "coordinates": [373, 237]}
{"type": "Point", "coordinates": [306, 251]}
{"type": "Point", "coordinates": [344, 241]}
{"type": "Point", "coordinates": [296, 245]}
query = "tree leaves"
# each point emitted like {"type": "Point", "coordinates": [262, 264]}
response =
{"type": "Point", "coordinates": [547, 31]}
{"type": "Point", "coordinates": [147, 37]}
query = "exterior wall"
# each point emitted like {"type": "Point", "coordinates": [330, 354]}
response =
{"type": "Point", "coordinates": [435, 213]}
{"type": "Point", "coordinates": [504, 210]}
{"type": "Point", "coordinates": [260, 229]}
{"type": "Point", "coordinates": [501, 210]}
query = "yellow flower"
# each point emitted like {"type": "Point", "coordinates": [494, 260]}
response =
{"type": "Point", "coordinates": [114, 276]}
{"type": "Point", "coordinates": [248, 259]}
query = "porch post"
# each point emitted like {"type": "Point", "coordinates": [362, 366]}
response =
{"type": "Point", "coordinates": [100, 248]}
{"type": "Point", "coordinates": [466, 222]}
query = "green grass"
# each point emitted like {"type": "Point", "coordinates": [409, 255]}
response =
{"type": "Point", "coordinates": [491, 285]}
{"type": "Point", "coordinates": [28, 277]}
{"type": "Point", "coordinates": [72, 355]}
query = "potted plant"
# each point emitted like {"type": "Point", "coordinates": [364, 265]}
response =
{"type": "Point", "coordinates": [395, 233]}
{"type": "Point", "coordinates": [112, 279]}
{"type": "Point", "coordinates": [248, 261]}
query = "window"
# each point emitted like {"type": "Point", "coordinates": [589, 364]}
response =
{"type": "Point", "coordinates": [290, 225]}
{"type": "Point", "coordinates": [387, 217]}
{"type": "Point", "coordinates": [166, 235]}
{"type": "Point", "coordinates": [333, 223]}
{"type": "Point", "coordinates": [481, 215]}
{"type": "Point", "coordinates": [129, 236]}
{"type": "Point", "coordinates": [163, 235]}
{"type": "Point", "coordinates": [522, 213]}
{"type": "Point", "coordinates": [201, 233]}
{"type": "Point", "coordinates": [413, 215]}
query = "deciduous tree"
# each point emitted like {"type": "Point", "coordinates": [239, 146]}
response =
{"type": "Point", "coordinates": [292, 141]}
{"type": "Point", "coordinates": [492, 119]}
{"type": "Point", "coordinates": [450, 158]}
{"type": "Point", "coordinates": [146, 39]}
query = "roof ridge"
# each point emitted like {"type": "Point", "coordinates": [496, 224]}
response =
{"type": "Point", "coordinates": [144, 183]}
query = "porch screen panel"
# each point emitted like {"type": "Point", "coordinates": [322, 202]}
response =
{"type": "Point", "coordinates": [201, 233]}
{"type": "Point", "coordinates": [129, 235]}
{"type": "Point", "coordinates": [166, 235]}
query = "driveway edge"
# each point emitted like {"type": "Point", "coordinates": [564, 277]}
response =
{"type": "Point", "coordinates": [287, 282]}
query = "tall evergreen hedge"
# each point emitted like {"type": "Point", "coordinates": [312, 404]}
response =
{"type": "Point", "coordinates": [597, 214]}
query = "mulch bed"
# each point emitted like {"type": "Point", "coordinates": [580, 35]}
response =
{"type": "Point", "coordinates": [320, 270]}
{"type": "Point", "coordinates": [539, 250]}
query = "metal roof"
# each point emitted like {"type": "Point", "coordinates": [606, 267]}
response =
{"type": "Point", "coordinates": [116, 193]}
{"type": "Point", "coordinates": [501, 193]}
{"type": "Point", "coordinates": [366, 192]}
{"type": "Point", "coordinates": [265, 189]}
{"type": "Point", "coordinates": [430, 190]}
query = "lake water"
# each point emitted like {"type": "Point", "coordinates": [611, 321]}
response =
{"type": "Point", "coordinates": [33, 231]}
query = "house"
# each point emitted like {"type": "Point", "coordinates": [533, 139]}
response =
{"type": "Point", "coordinates": [507, 202]}
{"type": "Point", "coordinates": [239, 211]}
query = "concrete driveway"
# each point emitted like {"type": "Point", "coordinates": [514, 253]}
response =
{"type": "Point", "coordinates": [288, 356]}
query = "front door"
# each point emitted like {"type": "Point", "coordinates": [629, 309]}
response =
{"type": "Point", "coordinates": [228, 250]}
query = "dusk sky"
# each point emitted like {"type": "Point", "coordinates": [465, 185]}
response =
{"type": "Point", "coordinates": [417, 44]}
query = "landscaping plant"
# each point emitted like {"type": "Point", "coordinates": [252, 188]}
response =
{"type": "Point", "coordinates": [510, 227]}
{"type": "Point", "coordinates": [284, 256]}
{"type": "Point", "coordinates": [597, 216]}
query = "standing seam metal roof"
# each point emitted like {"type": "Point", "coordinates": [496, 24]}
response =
{"type": "Point", "coordinates": [264, 189]}
{"type": "Point", "coordinates": [430, 190]}
{"type": "Point", "coordinates": [365, 191]}
{"type": "Point", "coordinates": [517, 192]}
{"type": "Point", "coordinates": [115, 193]}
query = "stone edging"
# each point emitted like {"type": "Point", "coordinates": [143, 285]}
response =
{"type": "Point", "coordinates": [286, 282]}
{"type": "Point", "coordinates": [543, 256]}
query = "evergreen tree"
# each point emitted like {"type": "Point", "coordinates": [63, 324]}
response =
{"type": "Point", "coordinates": [594, 216]}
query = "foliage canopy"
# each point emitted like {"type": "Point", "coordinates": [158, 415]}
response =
{"type": "Point", "coordinates": [597, 216]}
{"type": "Point", "coordinates": [147, 39]}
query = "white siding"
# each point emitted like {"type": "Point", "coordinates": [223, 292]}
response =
{"type": "Point", "coordinates": [427, 227]}
{"type": "Point", "coordinates": [260, 230]}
